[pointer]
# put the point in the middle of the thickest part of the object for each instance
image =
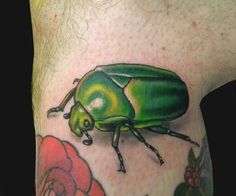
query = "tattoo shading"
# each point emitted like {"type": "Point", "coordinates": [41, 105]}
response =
{"type": "Point", "coordinates": [198, 174]}
{"type": "Point", "coordinates": [126, 97]}
{"type": "Point", "coordinates": [61, 171]}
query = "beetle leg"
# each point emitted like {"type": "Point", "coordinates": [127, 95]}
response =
{"type": "Point", "coordinates": [88, 141]}
{"type": "Point", "coordinates": [164, 130]}
{"type": "Point", "coordinates": [115, 143]}
{"type": "Point", "coordinates": [62, 105]}
{"type": "Point", "coordinates": [141, 139]}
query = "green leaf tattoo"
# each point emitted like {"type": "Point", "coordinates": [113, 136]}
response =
{"type": "Point", "coordinates": [184, 188]}
{"type": "Point", "coordinates": [198, 174]}
{"type": "Point", "coordinates": [191, 159]}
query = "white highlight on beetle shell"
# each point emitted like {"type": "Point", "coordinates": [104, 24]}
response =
{"type": "Point", "coordinates": [96, 103]}
{"type": "Point", "coordinates": [81, 110]}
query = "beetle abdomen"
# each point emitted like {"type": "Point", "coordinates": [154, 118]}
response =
{"type": "Point", "coordinates": [157, 99]}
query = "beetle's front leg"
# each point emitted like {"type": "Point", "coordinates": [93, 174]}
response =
{"type": "Point", "coordinates": [88, 141]}
{"type": "Point", "coordinates": [62, 105]}
{"type": "Point", "coordinates": [115, 143]}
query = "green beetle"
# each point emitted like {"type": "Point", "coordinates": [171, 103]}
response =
{"type": "Point", "coordinates": [126, 97]}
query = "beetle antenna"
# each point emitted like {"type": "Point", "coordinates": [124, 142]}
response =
{"type": "Point", "coordinates": [88, 141]}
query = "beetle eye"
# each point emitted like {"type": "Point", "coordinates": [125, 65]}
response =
{"type": "Point", "coordinates": [86, 123]}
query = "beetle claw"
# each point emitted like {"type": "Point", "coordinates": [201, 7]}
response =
{"type": "Point", "coordinates": [87, 142]}
{"type": "Point", "coordinates": [162, 162]}
{"type": "Point", "coordinates": [121, 170]}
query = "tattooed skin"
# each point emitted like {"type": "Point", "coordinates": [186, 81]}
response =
{"type": "Point", "coordinates": [113, 98]}
{"type": "Point", "coordinates": [198, 174]}
{"type": "Point", "coordinates": [192, 40]}
{"type": "Point", "coordinates": [66, 174]}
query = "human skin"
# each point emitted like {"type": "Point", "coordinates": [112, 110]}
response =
{"type": "Point", "coordinates": [196, 40]}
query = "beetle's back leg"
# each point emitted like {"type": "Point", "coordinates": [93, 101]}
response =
{"type": "Point", "coordinates": [115, 144]}
{"type": "Point", "coordinates": [164, 130]}
{"type": "Point", "coordinates": [141, 139]}
{"type": "Point", "coordinates": [62, 105]}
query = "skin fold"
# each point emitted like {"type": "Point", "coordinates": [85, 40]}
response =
{"type": "Point", "coordinates": [194, 39]}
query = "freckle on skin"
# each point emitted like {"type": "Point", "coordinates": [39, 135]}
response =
{"type": "Point", "coordinates": [163, 48]}
{"type": "Point", "coordinates": [194, 24]}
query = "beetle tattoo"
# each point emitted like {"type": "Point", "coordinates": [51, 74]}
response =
{"type": "Point", "coordinates": [126, 97]}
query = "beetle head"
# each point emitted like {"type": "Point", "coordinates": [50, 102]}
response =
{"type": "Point", "coordinates": [80, 120]}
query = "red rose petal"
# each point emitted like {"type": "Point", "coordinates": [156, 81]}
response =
{"type": "Point", "coordinates": [81, 173]}
{"type": "Point", "coordinates": [79, 193]}
{"type": "Point", "coordinates": [40, 188]}
{"type": "Point", "coordinates": [58, 187]}
{"type": "Point", "coordinates": [52, 193]}
{"type": "Point", "coordinates": [80, 169]}
{"type": "Point", "coordinates": [71, 150]}
{"type": "Point", "coordinates": [96, 189]}
{"type": "Point", "coordinates": [49, 193]}
{"type": "Point", "coordinates": [52, 154]}
{"type": "Point", "coordinates": [64, 170]}
{"type": "Point", "coordinates": [63, 178]}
